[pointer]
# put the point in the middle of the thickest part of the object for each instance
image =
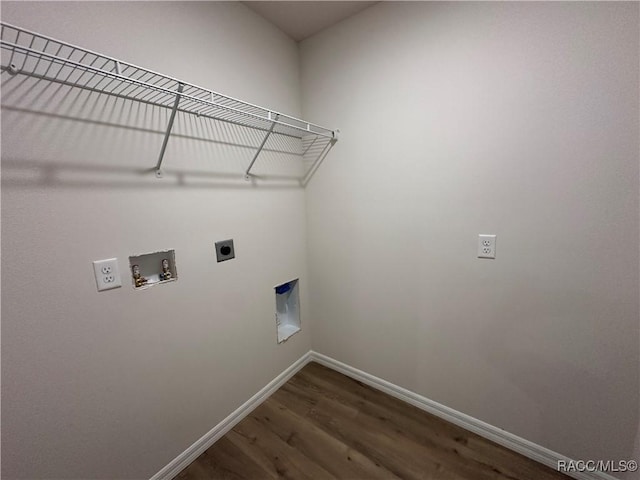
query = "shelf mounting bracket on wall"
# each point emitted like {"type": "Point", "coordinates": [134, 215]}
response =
{"type": "Point", "coordinates": [169, 128]}
{"type": "Point", "coordinates": [320, 158]}
{"type": "Point", "coordinates": [274, 117]}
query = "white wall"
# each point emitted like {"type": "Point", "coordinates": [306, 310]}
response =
{"type": "Point", "coordinates": [457, 119]}
{"type": "Point", "coordinates": [117, 384]}
{"type": "Point", "coordinates": [519, 119]}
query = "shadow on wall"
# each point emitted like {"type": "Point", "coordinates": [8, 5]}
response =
{"type": "Point", "coordinates": [540, 366]}
{"type": "Point", "coordinates": [54, 135]}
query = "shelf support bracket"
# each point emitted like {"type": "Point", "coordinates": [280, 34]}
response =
{"type": "Point", "coordinates": [247, 175]}
{"type": "Point", "coordinates": [169, 128]}
{"type": "Point", "coordinates": [323, 153]}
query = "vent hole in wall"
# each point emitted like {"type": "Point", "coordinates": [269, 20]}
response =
{"type": "Point", "coordinates": [225, 250]}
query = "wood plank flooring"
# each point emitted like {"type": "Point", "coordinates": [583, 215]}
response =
{"type": "Point", "coordinates": [324, 425]}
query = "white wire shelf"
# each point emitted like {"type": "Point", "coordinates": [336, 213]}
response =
{"type": "Point", "coordinates": [28, 53]}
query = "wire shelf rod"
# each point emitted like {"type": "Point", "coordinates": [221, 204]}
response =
{"type": "Point", "coordinates": [160, 89]}
{"type": "Point", "coordinates": [168, 132]}
{"type": "Point", "coordinates": [264, 141]}
{"type": "Point", "coordinates": [154, 104]}
{"type": "Point", "coordinates": [75, 48]}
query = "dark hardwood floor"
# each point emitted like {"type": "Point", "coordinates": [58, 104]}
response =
{"type": "Point", "coordinates": [322, 424]}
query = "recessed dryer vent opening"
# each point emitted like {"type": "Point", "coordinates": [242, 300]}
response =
{"type": "Point", "coordinates": [287, 310]}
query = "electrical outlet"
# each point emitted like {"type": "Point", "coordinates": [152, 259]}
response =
{"type": "Point", "coordinates": [107, 274]}
{"type": "Point", "coordinates": [486, 246]}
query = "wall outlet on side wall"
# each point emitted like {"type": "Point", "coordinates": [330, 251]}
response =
{"type": "Point", "coordinates": [486, 246]}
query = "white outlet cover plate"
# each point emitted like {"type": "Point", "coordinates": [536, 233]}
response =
{"type": "Point", "coordinates": [486, 246]}
{"type": "Point", "coordinates": [107, 274]}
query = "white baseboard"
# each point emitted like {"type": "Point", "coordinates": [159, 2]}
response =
{"type": "Point", "coordinates": [513, 442]}
{"type": "Point", "coordinates": [495, 434]}
{"type": "Point", "coordinates": [183, 460]}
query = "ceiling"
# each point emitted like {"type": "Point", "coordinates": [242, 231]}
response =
{"type": "Point", "coordinates": [302, 19]}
